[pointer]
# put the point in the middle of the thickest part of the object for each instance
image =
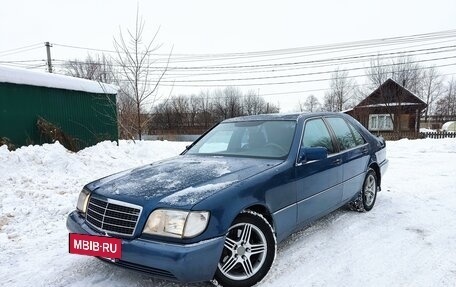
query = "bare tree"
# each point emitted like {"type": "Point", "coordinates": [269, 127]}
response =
{"type": "Point", "coordinates": [219, 105]}
{"type": "Point", "coordinates": [432, 88]}
{"type": "Point", "coordinates": [254, 104]}
{"type": "Point", "coordinates": [340, 94]}
{"type": "Point", "coordinates": [233, 102]}
{"type": "Point", "coordinates": [134, 57]}
{"type": "Point", "coordinates": [378, 72]}
{"type": "Point", "coordinates": [272, 108]}
{"type": "Point", "coordinates": [228, 103]}
{"type": "Point", "coordinates": [125, 115]}
{"type": "Point", "coordinates": [408, 73]}
{"type": "Point", "coordinates": [446, 105]}
{"type": "Point", "coordinates": [205, 117]}
{"type": "Point", "coordinates": [194, 107]}
{"type": "Point", "coordinates": [180, 109]}
{"type": "Point", "coordinates": [98, 68]}
{"type": "Point", "coordinates": [163, 116]}
{"type": "Point", "coordinates": [403, 70]}
{"type": "Point", "coordinates": [311, 104]}
{"type": "Point", "coordinates": [329, 102]}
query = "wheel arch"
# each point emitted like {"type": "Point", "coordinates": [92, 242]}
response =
{"type": "Point", "coordinates": [376, 168]}
{"type": "Point", "coordinates": [264, 211]}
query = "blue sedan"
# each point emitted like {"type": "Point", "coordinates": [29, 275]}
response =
{"type": "Point", "coordinates": [217, 211]}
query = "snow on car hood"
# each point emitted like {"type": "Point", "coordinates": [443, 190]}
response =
{"type": "Point", "coordinates": [179, 181]}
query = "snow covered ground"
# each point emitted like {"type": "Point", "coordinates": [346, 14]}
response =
{"type": "Point", "coordinates": [408, 239]}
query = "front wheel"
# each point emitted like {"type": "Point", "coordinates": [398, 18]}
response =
{"type": "Point", "coordinates": [248, 253]}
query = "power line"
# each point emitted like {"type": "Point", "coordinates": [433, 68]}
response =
{"type": "Point", "coordinates": [174, 75]}
{"type": "Point", "coordinates": [21, 61]}
{"type": "Point", "coordinates": [398, 39]}
{"type": "Point", "coordinates": [287, 82]}
{"type": "Point", "coordinates": [327, 48]}
{"type": "Point", "coordinates": [305, 74]}
{"type": "Point", "coordinates": [272, 65]}
{"type": "Point", "coordinates": [307, 54]}
{"type": "Point", "coordinates": [300, 68]}
{"type": "Point", "coordinates": [20, 51]}
{"type": "Point", "coordinates": [20, 48]}
{"type": "Point", "coordinates": [291, 82]}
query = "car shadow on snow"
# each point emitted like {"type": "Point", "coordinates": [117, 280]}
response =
{"type": "Point", "coordinates": [88, 271]}
{"type": "Point", "coordinates": [93, 272]}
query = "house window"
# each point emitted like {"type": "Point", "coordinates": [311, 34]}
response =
{"type": "Point", "coordinates": [380, 122]}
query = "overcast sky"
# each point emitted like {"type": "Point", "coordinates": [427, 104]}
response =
{"type": "Point", "coordinates": [203, 27]}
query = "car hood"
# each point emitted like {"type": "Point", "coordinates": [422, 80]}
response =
{"type": "Point", "coordinates": [180, 181]}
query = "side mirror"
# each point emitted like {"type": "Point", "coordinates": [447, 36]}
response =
{"type": "Point", "coordinates": [312, 153]}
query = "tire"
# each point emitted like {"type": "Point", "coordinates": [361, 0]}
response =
{"type": "Point", "coordinates": [249, 251]}
{"type": "Point", "coordinates": [366, 197]}
{"type": "Point", "coordinates": [369, 192]}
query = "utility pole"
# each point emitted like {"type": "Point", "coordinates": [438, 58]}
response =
{"type": "Point", "coordinates": [48, 52]}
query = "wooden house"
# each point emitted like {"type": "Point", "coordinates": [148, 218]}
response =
{"type": "Point", "coordinates": [391, 111]}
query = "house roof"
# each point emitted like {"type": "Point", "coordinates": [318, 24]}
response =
{"type": "Point", "coordinates": [390, 93]}
{"type": "Point", "coordinates": [42, 79]}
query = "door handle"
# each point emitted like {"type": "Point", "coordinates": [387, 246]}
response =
{"type": "Point", "coordinates": [337, 161]}
{"type": "Point", "coordinates": [365, 150]}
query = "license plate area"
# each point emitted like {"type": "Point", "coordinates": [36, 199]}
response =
{"type": "Point", "coordinates": [109, 248]}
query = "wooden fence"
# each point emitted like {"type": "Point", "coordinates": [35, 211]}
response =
{"type": "Point", "coordinates": [393, 136]}
{"type": "Point", "coordinates": [438, 135]}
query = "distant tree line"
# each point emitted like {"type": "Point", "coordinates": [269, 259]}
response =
{"type": "Point", "coordinates": [196, 113]}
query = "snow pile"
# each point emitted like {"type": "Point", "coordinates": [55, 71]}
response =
{"type": "Point", "coordinates": [42, 79]}
{"type": "Point", "coordinates": [425, 130]}
{"type": "Point", "coordinates": [408, 239]}
{"type": "Point", "coordinates": [39, 186]}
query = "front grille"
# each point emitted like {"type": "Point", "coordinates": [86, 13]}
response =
{"type": "Point", "coordinates": [112, 216]}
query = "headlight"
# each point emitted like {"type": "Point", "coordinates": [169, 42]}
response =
{"type": "Point", "coordinates": [83, 201]}
{"type": "Point", "coordinates": [176, 223]}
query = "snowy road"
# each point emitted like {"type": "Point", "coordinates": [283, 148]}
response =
{"type": "Point", "coordinates": [408, 239]}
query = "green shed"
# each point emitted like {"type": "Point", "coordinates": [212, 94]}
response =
{"type": "Point", "coordinates": [83, 111]}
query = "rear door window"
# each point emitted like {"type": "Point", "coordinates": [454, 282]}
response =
{"type": "Point", "coordinates": [358, 137]}
{"type": "Point", "coordinates": [343, 133]}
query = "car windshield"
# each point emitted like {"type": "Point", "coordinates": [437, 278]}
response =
{"type": "Point", "coordinates": [265, 139]}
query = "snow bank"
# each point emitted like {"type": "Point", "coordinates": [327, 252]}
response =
{"type": "Point", "coordinates": [408, 239]}
{"type": "Point", "coordinates": [42, 79]}
{"type": "Point", "coordinates": [39, 186]}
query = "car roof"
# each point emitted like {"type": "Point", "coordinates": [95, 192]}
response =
{"type": "Point", "coordinates": [280, 117]}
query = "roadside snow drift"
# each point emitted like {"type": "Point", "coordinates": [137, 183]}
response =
{"type": "Point", "coordinates": [408, 239]}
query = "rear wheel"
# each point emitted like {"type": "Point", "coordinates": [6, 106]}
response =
{"type": "Point", "coordinates": [369, 190]}
{"type": "Point", "coordinates": [248, 253]}
{"type": "Point", "coordinates": [366, 198]}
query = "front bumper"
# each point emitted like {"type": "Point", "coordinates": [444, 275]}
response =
{"type": "Point", "coordinates": [182, 262]}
